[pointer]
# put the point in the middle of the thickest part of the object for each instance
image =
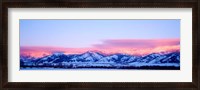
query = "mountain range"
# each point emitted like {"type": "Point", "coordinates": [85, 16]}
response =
{"type": "Point", "coordinates": [93, 60]}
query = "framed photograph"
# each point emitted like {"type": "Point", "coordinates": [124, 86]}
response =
{"type": "Point", "coordinates": [100, 44]}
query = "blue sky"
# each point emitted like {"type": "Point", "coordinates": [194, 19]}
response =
{"type": "Point", "coordinates": [84, 33]}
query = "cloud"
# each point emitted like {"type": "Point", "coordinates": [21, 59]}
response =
{"type": "Point", "coordinates": [127, 46]}
{"type": "Point", "coordinates": [138, 43]}
{"type": "Point", "coordinates": [40, 51]}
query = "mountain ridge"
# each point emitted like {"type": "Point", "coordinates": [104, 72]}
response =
{"type": "Point", "coordinates": [96, 59]}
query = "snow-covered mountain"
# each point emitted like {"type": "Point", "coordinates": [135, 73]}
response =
{"type": "Point", "coordinates": [95, 59]}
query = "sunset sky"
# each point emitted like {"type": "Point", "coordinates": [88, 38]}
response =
{"type": "Point", "coordinates": [136, 37]}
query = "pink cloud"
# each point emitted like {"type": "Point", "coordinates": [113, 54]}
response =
{"type": "Point", "coordinates": [128, 46]}
{"type": "Point", "coordinates": [138, 43]}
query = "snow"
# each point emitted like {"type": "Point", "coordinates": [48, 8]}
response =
{"type": "Point", "coordinates": [58, 54]}
{"type": "Point", "coordinates": [147, 64]}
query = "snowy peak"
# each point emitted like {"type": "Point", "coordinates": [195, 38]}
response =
{"type": "Point", "coordinates": [58, 54]}
{"type": "Point", "coordinates": [91, 55]}
{"type": "Point", "coordinates": [153, 55]}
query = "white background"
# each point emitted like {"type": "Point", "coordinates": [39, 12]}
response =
{"type": "Point", "coordinates": [183, 75]}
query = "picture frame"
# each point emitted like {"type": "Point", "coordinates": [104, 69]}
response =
{"type": "Point", "coordinates": [194, 4]}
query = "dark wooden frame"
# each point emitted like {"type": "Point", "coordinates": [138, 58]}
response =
{"type": "Point", "coordinates": [194, 4]}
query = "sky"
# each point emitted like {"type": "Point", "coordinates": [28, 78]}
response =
{"type": "Point", "coordinates": [137, 37]}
